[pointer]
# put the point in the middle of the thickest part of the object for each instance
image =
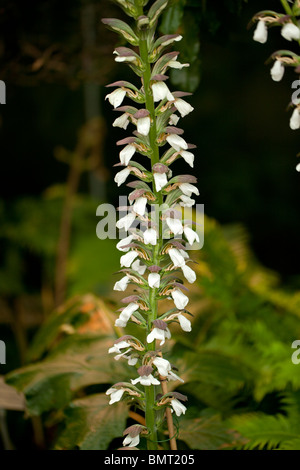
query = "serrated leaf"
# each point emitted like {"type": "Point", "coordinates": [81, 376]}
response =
{"type": "Point", "coordinates": [207, 433]}
{"type": "Point", "coordinates": [91, 423]}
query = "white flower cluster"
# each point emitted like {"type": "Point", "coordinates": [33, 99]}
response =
{"type": "Point", "coordinates": [291, 32]}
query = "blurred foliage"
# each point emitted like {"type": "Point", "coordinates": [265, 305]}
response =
{"type": "Point", "coordinates": [30, 230]}
{"type": "Point", "coordinates": [243, 388]}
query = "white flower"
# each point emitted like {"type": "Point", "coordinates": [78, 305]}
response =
{"type": "Point", "coordinates": [139, 206]}
{"type": "Point", "coordinates": [186, 201]}
{"type": "Point", "coordinates": [126, 314]}
{"type": "Point", "coordinates": [130, 359]}
{"type": "Point", "coordinates": [138, 267]}
{"type": "Point", "coordinates": [290, 31]}
{"type": "Point", "coordinates": [161, 92]}
{"type": "Point", "coordinates": [180, 299]}
{"type": "Point", "coordinates": [261, 32]}
{"type": "Point", "coordinates": [189, 274]}
{"type": "Point", "coordinates": [174, 64]}
{"type": "Point", "coordinates": [188, 189]}
{"type": "Point", "coordinates": [116, 97]}
{"type": "Point", "coordinates": [127, 153]}
{"type": "Point", "coordinates": [277, 71]}
{"type": "Point", "coordinates": [131, 441]}
{"type": "Point", "coordinates": [150, 236]}
{"type": "Point", "coordinates": [163, 366]}
{"type": "Point", "coordinates": [127, 259]}
{"type": "Point", "coordinates": [183, 107]}
{"type": "Point", "coordinates": [143, 125]}
{"type": "Point", "coordinates": [154, 280]}
{"type": "Point", "coordinates": [177, 142]}
{"type": "Point", "coordinates": [178, 407]}
{"type": "Point", "coordinates": [188, 157]}
{"type": "Point", "coordinates": [176, 257]}
{"type": "Point", "coordinates": [160, 180]}
{"type": "Point", "coordinates": [115, 394]}
{"type": "Point", "coordinates": [173, 377]}
{"type": "Point", "coordinates": [173, 121]}
{"type": "Point", "coordinates": [126, 221]}
{"type": "Point", "coordinates": [124, 242]}
{"type": "Point", "coordinates": [159, 334]}
{"type": "Point", "coordinates": [298, 167]}
{"type": "Point", "coordinates": [122, 284]}
{"type": "Point", "coordinates": [295, 119]}
{"type": "Point", "coordinates": [116, 348]}
{"type": "Point", "coordinates": [184, 323]}
{"type": "Point", "coordinates": [122, 176]}
{"type": "Point", "coordinates": [190, 234]}
{"type": "Point", "coordinates": [128, 58]}
{"type": "Point", "coordinates": [174, 225]}
{"type": "Point", "coordinates": [146, 380]}
{"type": "Point", "coordinates": [122, 121]}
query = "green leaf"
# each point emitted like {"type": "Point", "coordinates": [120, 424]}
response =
{"type": "Point", "coordinates": [265, 431]}
{"type": "Point", "coordinates": [207, 432]}
{"type": "Point", "coordinates": [91, 423]}
{"type": "Point", "coordinates": [77, 362]}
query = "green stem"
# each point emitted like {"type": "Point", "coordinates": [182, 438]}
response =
{"type": "Point", "coordinates": [287, 7]}
{"type": "Point", "coordinates": [150, 391]}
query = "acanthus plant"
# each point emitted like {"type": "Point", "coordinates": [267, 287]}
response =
{"type": "Point", "coordinates": [154, 258]}
{"type": "Point", "coordinates": [289, 23]}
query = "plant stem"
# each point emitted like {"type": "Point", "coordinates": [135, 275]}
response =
{"type": "Point", "coordinates": [150, 393]}
{"type": "Point", "coordinates": [287, 7]}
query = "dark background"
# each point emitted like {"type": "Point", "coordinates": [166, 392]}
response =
{"type": "Point", "coordinates": [246, 154]}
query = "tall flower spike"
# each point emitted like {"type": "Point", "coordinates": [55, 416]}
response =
{"type": "Point", "coordinates": [148, 258]}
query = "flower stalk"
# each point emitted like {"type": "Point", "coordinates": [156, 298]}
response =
{"type": "Point", "coordinates": [152, 259]}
